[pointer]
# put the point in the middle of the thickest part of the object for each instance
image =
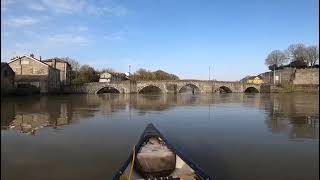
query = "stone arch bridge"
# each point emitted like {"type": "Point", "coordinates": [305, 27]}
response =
{"type": "Point", "coordinates": [172, 86]}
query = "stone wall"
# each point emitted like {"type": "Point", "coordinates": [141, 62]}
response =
{"type": "Point", "coordinates": [265, 88]}
{"type": "Point", "coordinates": [306, 76]}
{"type": "Point", "coordinates": [75, 89]}
{"type": "Point", "coordinates": [306, 88]}
{"type": "Point", "coordinates": [294, 76]}
{"type": "Point", "coordinates": [284, 76]}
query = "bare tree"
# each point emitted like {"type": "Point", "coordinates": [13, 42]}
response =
{"type": "Point", "coordinates": [88, 74]}
{"type": "Point", "coordinates": [276, 58]}
{"type": "Point", "coordinates": [143, 74]}
{"type": "Point", "coordinates": [109, 70]}
{"type": "Point", "coordinates": [312, 55]}
{"type": "Point", "coordinates": [75, 65]}
{"type": "Point", "coordinates": [297, 52]}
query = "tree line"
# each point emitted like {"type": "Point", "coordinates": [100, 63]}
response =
{"type": "Point", "coordinates": [143, 74]}
{"type": "Point", "coordinates": [81, 73]}
{"type": "Point", "coordinates": [85, 73]}
{"type": "Point", "coordinates": [296, 55]}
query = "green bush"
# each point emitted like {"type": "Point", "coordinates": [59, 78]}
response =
{"type": "Point", "coordinates": [299, 64]}
{"type": "Point", "coordinates": [287, 87]}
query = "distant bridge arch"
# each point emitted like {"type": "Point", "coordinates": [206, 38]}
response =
{"type": "Point", "coordinates": [251, 90]}
{"type": "Point", "coordinates": [144, 86]}
{"type": "Point", "coordinates": [102, 87]}
{"type": "Point", "coordinates": [109, 89]}
{"type": "Point", "coordinates": [150, 89]}
{"type": "Point", "coordinates": [195, 87]}
{"type": "Point", "coordinates": [223, 89]}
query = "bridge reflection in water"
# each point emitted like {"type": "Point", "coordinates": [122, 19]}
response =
{"type": "Point", "coordinates": [285, 114]}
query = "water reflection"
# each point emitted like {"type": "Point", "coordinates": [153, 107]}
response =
{"type": "Point", "coordinates": [27, 115]}
{"type": "Point", "coordinates": [296, 115]}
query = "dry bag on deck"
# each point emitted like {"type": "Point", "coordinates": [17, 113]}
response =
{"type": "Point", "coordinates": [155, 159]}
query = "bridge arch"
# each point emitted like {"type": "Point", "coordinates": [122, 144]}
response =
{"type": "Point", "coordinates": [195, 88]}
{"type": "Point", "coordinates": [150, 88]}
{"type": "Point", "coordinates": [251, 90]}
{"type": "Point", "coordinates": [109, 89]}
{"type": "Point", "coordinates": [224, 89]}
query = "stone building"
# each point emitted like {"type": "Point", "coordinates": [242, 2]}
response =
{"type": "Point", "coordinates": [7, 78]}
{"type": "Point", "coordinates": [63, 66]}
{"type": "Point", "coordinates": [31, 71]}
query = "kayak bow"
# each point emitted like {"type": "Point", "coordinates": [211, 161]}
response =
{"type": "Point", "coordinates": [154, 158]}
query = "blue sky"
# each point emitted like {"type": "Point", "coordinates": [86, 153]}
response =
{"type": "Point", "coordinates": [183, 37]}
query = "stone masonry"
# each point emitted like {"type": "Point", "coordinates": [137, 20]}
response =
{"type": "Point", "coordinates": [174, 86]}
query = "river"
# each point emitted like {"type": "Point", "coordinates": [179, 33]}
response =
{"type": "Point", "coordinates": [230, 136]}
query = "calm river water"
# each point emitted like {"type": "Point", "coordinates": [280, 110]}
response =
{"type": "Point", "coordinates": [231, 136]}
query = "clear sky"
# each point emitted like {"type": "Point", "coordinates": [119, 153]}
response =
{"type": "Point", "coordinates": [183, 37]}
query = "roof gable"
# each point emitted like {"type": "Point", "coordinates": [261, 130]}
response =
{"type": "Point", "coordinates": [29, 57]}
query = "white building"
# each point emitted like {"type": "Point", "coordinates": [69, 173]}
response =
{"type": "Point", "coordinates": [105, 77]}
{"type": "Point", "coordinates": [112, 77]}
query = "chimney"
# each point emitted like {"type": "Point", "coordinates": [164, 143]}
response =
{"type": "Point", "coordinates": [40, 58]}
{"type": "Point", "coordinates": [32, 55]}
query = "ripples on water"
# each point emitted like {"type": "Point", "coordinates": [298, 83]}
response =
{"type": "Point", "coordinates": [231, 136]}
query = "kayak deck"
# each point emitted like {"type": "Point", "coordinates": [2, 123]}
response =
{"type": "Point", "coordinates": [181, 167]}
{"type": "Point", "coordinates": [182, 170]}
